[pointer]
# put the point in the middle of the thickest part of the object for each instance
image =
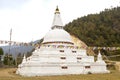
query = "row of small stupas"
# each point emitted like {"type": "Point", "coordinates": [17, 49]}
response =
{"type": "Point", "coordinates": [58, 55]}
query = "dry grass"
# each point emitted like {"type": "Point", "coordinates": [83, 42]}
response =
{"type": "Point", "coordinates": [9, 74]}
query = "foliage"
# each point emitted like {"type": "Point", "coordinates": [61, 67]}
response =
{"type": "Point", "coordinates": [101, 29]}
{"type": "Point", "coordinates": [113, 55]}
{"type": "Point", "coordinates": [8, 60]}
{"type": "Point", "coordinates": [1, 51]}
{"type": "Point", "coordinates": [1, 54]}
{"type": "Point", "coordinates": [19, 58]}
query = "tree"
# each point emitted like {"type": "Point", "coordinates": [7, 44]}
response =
{"type": "Point", "coordinates": [8, 60]}
{"type": "Point", "coordinates": [101, 29]}
{"type": "Point", "coordinates": [19, 58]}
{"type": "Point", "coordinates": [1, 54]}
{"type": "Point", "coordinates": [5, 59]}
{"type": "Point", "coordinates": [1, 51]}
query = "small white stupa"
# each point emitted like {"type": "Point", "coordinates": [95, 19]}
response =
{"type": "Point", "coordinates": [58, 55]}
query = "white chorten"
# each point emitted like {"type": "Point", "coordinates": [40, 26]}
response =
{"type": "Point", "coordinates": [58, 55]}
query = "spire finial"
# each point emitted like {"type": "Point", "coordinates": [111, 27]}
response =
{"type": "Point", "coordinates": [57, 22]}
{"type": "Point", "coordinates": [57, 10]}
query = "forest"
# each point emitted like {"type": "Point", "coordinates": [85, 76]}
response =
{"type": "Point", "coordinates": [100, 29]}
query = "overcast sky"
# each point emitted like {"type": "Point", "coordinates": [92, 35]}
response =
{"type": "Point", "coordinates": [32, 19]}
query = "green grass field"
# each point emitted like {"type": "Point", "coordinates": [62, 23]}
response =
{"type": "Point", "coordinates": [9, 74]}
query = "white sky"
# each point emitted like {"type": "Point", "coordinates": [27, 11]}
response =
{"type": "Point", "coordinates": [32, 19]}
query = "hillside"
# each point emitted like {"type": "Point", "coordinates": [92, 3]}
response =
{"type": "Point", "coordinates": [101, 29]}
{"type": "Point", "coordinates": [17, 49]}
{"type": "Point", "coordinates": [80, 43]}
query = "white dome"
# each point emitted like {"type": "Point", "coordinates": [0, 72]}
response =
{"type": "Point", "coordinates": [57, 35]}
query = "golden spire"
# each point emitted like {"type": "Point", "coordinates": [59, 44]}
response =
{"type": "Point", "coordinates": [57, 10]}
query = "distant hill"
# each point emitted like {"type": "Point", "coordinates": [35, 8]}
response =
{"type": "Point", "coordinates": [16, 49]}
{"type": "Point", "coordinates": [101, 29]}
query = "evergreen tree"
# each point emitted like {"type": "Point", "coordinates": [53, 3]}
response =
{"type": "Point", "coordinates": [19, 58]}
{"type": "Point", "coordinates": [101, 29]}
{"type": "Point", "coordinates": [1, 55]}
{"type": "Point", "coordinates": [1, 51]}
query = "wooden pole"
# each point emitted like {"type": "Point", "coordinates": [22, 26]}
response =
{"type": "Point", "coordinates": [9, 46]}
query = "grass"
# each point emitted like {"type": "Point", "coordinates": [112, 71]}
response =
{"type": "Point", "coordinates": [9, 74]}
